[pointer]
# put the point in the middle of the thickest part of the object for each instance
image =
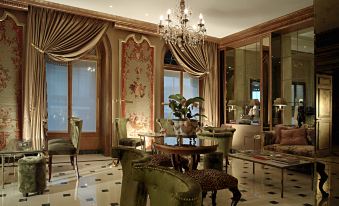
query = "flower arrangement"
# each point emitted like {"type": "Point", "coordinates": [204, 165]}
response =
{"type": "Point", "coordinates": [182, 108]}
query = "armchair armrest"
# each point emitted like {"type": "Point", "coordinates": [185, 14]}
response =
{"type": "Point", "coordinates": [269, 137]}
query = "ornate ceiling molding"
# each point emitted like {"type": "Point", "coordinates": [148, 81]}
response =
{"type": "Point", "coordinates": [301, 17]}
{"type": "Point", "coordinates": [14, 4]}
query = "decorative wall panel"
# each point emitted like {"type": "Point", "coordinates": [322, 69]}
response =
{"type": "Point", "coordinates": [137, 84]}
{"type": "Point", "coordinates": [11, 44]}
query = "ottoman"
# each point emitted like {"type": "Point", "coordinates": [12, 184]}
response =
{"type": "Point", "coordinates": [32, 175]}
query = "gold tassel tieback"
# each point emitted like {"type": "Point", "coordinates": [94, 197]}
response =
{"type": "Point", "coordinates": [37, 48]}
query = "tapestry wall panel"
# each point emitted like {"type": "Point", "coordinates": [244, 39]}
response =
{"type": "Point", "coordinates": [11, 44]}
{"type": "Point", "coordinates": [137, 84]}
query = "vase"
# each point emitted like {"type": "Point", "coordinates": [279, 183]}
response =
{"type": "Point", "coordinates": [185, 128]}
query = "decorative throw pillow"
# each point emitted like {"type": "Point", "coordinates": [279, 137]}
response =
{"type": "Point", "coordinates": [277, 129]}
{"type": "Point", "coordinates": [293, 137]}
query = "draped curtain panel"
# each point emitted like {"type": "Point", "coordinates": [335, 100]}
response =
{"type": "Point", "coordinates": [11, 46]}
{"type": "Point", "coordinates": [137, 84]}
{"type": "Point", "coordinates": [202, 61]}
{"type": "Point", "coordinates": [62, 37]}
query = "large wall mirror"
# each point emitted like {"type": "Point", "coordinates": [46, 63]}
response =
{"type": "Point", "coordinates": [243, 84]}
{"type": "Point", "coordinates": [297, 77]}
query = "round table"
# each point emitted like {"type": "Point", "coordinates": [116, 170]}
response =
{"type": "Point", "coordinates": [155, 137]}
{"type": "Point", "coordinates": [192, 151]}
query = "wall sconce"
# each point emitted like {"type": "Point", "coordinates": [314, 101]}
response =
{"type": "Point", "coordinates": [231, 105]}
{"type": "Point", "coordinates": [280, 103]}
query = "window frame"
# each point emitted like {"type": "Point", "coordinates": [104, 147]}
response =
{"type": "Point", "coordinates": [180, 69]}
{"type": "Point", "coordinates": [86, 57]}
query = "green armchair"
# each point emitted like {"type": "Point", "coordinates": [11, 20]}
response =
{"type": "Point", "coordinates": [132, 192]}
{"type": "Point", "coordinates": [222, 135]}
{"type": "Point", "coordinates": [66, 146]}
{"type": "Point", "coordinates": [167, 187]}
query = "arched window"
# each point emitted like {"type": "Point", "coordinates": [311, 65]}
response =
{"type": "Point", "coordinates": [177, 81]}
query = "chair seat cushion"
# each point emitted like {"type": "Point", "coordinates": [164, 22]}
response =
{"type": "Point", "coordinates": [58, 140]}
{"type": "Point", "coordinates": [61, 148]}
{"type": "Point", "coordinates": [130, 142]}
{"type": "Point", "coordinates": [165, 160]}
{"type": "Point", "coordinates": [211, 179]}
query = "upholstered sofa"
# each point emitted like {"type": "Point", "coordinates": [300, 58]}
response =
{"type": "Point", "coordinates": [291, 140]}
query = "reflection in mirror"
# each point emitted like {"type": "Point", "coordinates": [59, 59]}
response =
{"type": "Point", "coordinates": [231, 106]}
{"type": "Point", "coordinates": [265, 78]}
{"type": "Point", "coordinates": [247, 84]}
{"type": "Point", "coordinates": [297, 77]}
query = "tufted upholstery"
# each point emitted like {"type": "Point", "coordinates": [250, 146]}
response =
{"type": "Point", "coordinates": [132, 192]}
{"type": "Point", "coordinates": [32, 174]}
{"type": "Point", "coordinates": [168, 187]}
{"type": "Point", "coordinates": [65, 146]}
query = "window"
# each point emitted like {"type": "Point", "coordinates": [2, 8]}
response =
{"type": "Point", "coordinates": [177, 81]}
{"type": "Point", "coordinates": [71, 91]}
{"type": "Point", "coordinates": [255, 89]}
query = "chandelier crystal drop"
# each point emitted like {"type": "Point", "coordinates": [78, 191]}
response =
{"type": "Point", "coordinates": [175, 28]}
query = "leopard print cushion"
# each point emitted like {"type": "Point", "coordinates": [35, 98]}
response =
{"type": "Point", "coordinates": [165, 160]}
{"type": "Point", "coordinates": [161, 160]}
{"type": "Point", "coordinates": [211, 179]}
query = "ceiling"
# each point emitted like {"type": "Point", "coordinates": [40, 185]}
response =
{"type": "Point", "coordinates": [222, 17]}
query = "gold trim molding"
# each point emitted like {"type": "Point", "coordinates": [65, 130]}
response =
{"type": "Point", "coordinates": [14, 4]}
{"type": "Point", "coordinates": [8, 14]}
{"type": "Point", "coordinates": [302, 16]}
{"type": "Point", "coordinates": [122, 23]}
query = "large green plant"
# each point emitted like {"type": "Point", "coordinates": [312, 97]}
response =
{"type": "Point", "coordinates": [182, 107]}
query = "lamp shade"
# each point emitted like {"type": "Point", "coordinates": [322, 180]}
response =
{"type": "Point", "coordinates": [231, 102]}
{"type": "Point", "coordinates": [254, 102]}
{"type": "Point", "coordinates": [280, 102]}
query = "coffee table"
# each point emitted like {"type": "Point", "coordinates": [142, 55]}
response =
{"type": "Point", "coordinates": [280, 161]}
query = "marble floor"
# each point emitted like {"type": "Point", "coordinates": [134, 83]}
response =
{"type": "Point", "coordinates": [100, 184]}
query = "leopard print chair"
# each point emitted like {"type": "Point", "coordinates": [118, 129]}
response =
{"type": "Point", "coordinates": [214, 180]}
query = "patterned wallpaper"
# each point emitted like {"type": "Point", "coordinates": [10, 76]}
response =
{"type": "Point", "coordinates": [137, 84]}
{"type": "Point", "coordinates": [11, 44]}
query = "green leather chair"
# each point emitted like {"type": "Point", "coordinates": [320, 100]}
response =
{"type": "Point", "coordinates": [121, 131]}
{"type": "Point", "coordinates": [222, 135]}
{"type": "Point", "coordinates": [66, 146]}
{"type": "Point", "coordinates": [167, 187]}
{"type": "Point", "coordinates": [132, 192]}
{"type": "Point", "coordinates": [123, 140]}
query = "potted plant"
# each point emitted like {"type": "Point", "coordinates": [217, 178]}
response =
{"type": "Point", "coordinates": [186, 123]}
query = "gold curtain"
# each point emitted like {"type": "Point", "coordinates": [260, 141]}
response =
{"type": "Point", "coordinates": [62, 37]}
{"type": "Point", "coordinates": [202, 61]}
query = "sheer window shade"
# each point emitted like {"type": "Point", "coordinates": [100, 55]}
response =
{"type": "Point", "coordinates": [84, 93]}
{"type": "Point", "coordinates": [57, 97]}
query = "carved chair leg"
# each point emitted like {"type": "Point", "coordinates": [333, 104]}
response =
{"type": "Point", "coordinates": [115, 162]}
{"type": "Point", "coordinates": [236, 195]}
{"type": "Point", "coordinates": [49, 167]}
{"type": "Point", "coordinates": [71, 157]}
{"type": "Point", "coordinates": [204, 193]}
{"type": "Point", "coordinates": [214, 197]}
{"type": "Point", "coordinates": [76, 166]}
{"type": "Point", "coordinates": [323, 178]}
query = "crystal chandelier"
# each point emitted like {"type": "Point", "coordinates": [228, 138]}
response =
{"type": "Point", "coordinates": [176, 29]}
